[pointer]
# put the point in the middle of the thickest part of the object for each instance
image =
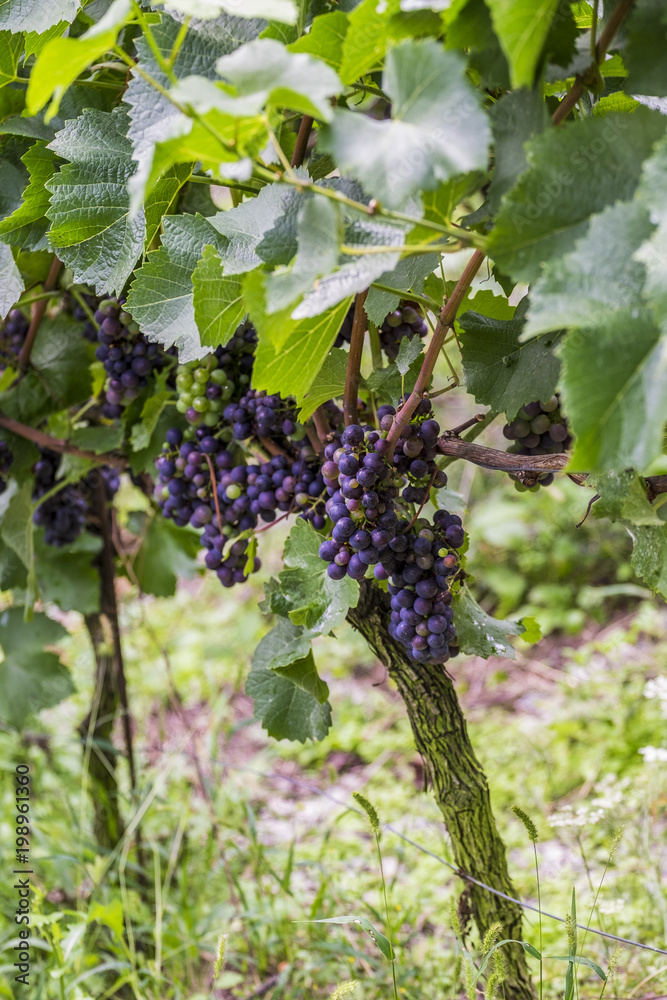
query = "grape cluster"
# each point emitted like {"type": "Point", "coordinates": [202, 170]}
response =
{"type": "Point", "coordinates": [233, 499]}
{"type": "Point", "coordinates": [128, 358]}
{"type": "Point", "coordinates": [406, 321]}
{"type": "Point", "coordinates": [257, 414]}
{"type": "Point", "coordinates": [89, 331]}
{"type": "Point", "coordinates": [6, 458]}
{"type": "Point", "coordinates": [538, 429]}
{"type": "Point", "coordinates": [205, 387]}
{"type": "Point", "coordinates": [63, 515]}
{"type": "Point", "coordinates": [12, 336]}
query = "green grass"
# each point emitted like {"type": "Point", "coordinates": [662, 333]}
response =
{"type": "Point", "coordinates": [236, 842]}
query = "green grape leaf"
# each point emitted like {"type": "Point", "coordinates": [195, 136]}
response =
{"type": "Point", "coordinates": [652, 193]}
{"type": "Point", "coordinates": [410, 349]}
{"type": "Point", "coordinates": [61, 60]}
{"type": "Point", "coordinates": [26, 227]}
{"type": "Point", "coordinates": [31, 678]}
{"type": "Point", "coordinates": [67, 576]}
{"type": "Point", "coordinates": [297, 362]}
{"type": "Point", "coordinates": [622, 497]}
{"type": "Point", "coordinates": [13, 173]}
{"type": "Point", "coordinates": [325, 39]}
{"type": "Point", "coordinates": [284, 11]}
{"type": "Point", "coordinates": [72, 104]}
{"type": "Point", "coordinates": [502, 372]}
{"type": "Point", "coordinates": [91, 231]}
{"type": "Point", "coordinates": [36, 40]}
{"type": "Point", "coordinates": [614, 385]}
{"type": "Point", "coordinates": [218, 300]}
{"type": "Point", "coordinates": [286, 650]}
{"type": "Point", "coordinates": [288, 79]}
{"type": "Point", "coordinates": [286, 711]}
{"type": "Point", "coordinates": [428, 88]}
{"type": "Point", "coordinates": [167, 553]}
{"type": "Point", "coordinates": [581, 287]}
{"type": "Point", "coordinates": [98, 439]}
{"type": "Point", "coordinates": [522, 29]}
{"type": "Point", "coordinates": [143, 460]}
{"type": "Point", "coordinates": [481, 634]}
{"type": "Point", "coordinates": [319, 231]}
{"type": "Point", "coordinates": [151, 412]}
{"type": "Point", "coordinates": [315, 601]}
{"type": "Point", "coordinates": [328, 384]}
{"type": "Point", "coordinates": [161, 294]}
{"type": "Point", "coordinates": [278, 242]}
{"type": "Point", "coordinates": [549, 208]}
{"type": "Point", "coordinates": [36, 15]}
{"type": "Point", "coordinates": [11, 47]}
{"type": "Point", "coordinates": [388, 383]}
{"type": "Point", "coordinates": [11, 282]}
{"type": "Point", "coordinates": [409, 274]}
{"type": "Point", "coordinates": [644, 53]}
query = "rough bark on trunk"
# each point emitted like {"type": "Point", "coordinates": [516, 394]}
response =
{"type": "Point", "coordinates": [457, 778]}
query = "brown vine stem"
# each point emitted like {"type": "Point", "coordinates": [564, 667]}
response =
{"type": "Point", "coordinates": [57, 444]}
{"type": "Point", "coordinates": [38, 311]}
{"type": "Point", "coordinates": [351, 394]}
{"type": "Point", "coordinates": [322, 425]}
{"type": "Point", "coordinates": [445, 320]}
{"type": "Point", "coordinates": [302, 141]}
{"type": "Point", "coordinates": [477, 419]}
{"type": "Point", "coordinates": [618, 15]}
{"type": "Point", "coordinates": [502, 461]}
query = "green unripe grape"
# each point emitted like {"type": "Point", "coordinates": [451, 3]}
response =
{"type": "Point", "coordinates": [226, 530]}
{"type": "Point", "coordinates": [520, 488]}
{"type": "Point", "coordinates": [133, 328]}
{"type": "Point", "coordinates": [182, 407]}
{"type": "Point", "coordinates": [200, 404]}
{"type": "Point", "coordinates": [299, 433]}
{"type": "Point", "coordinates": [226, 435]}
{"type": "Point", "coordinates": [211, 419]}
{"type": "Point", "coordinates": [183, 381]}
{"type": "Point", "coordinates": [105, 303]}
{"type": "Point", "coordinates": [164, 493]}
{"type": "Point", "coordinates": [302, 499]}
{"type": "Point", "coordinates": [549, 405]}
{"type": "Point", "coordinates": [200, 375]}
{"type": "Point", "coordinates": [215, 405]}
{"type": "Point", "coordinates": [189, 433]}
{"type": "Point", "coordinates": [227, 391]}
{"type": "Point", "coordinates": [244, 379]}
{"type": "Point", "coordinates": [125, 318]}
{"type": "Point", "coordinates": [233, 491]}
{"type": "Point", "coordinates": [218, 376]}
{"type": "Point", "coordinates": [540, 424]}
{"type": "Point", "coordinates": [187, 398]}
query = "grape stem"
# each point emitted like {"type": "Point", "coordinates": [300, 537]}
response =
{"type": "Point", "coordinates": [446, 319]}
{"type": "Point", "coordinates": [351, 394]}
{"type": "Point", "coordinates": [427, 493]}
{"type": "Point", "coordinates": [38, 311]}
{"type": "Point", "coordinates": [502, 461]}
{"type": "Point", "coordinates": [57, 444]}
{"type": "Point", "coordinates": [455, 431]}
{"type": "Point", "coordinates": [302, 140]}
{"type": "Point", "coordinates": [322, 425]}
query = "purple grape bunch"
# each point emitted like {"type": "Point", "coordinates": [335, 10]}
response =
{"type": "Point", "coordinates": [128, 358]}
{"type": "Point", "coordinates": [257, 414]}
{"type": "Point", "coordinates": [62, 515]}
{"type": "Point", "coordinates": [12, 337]}
{"type": "Point", "coordinates": [236, 498]}
{"type": "Point", "coordinates": [89, 331]}
{"type": "Point", "coordinates": [539, 428]}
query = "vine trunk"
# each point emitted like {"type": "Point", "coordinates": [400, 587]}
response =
{"type": "Point", "coordinates": [458, 781]}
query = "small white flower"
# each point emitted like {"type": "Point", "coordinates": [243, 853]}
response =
{"type": "Point", "coordinates": [657, 689]}
{"type": "Point", "coordinates": [654, 755]}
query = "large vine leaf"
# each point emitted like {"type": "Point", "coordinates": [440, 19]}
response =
{"type": "Point", "coordinates": [585, 285]}
{"type": "Point", "coordinates": [36, 15]}
{"type": "Point", "coordinates": [166, 554]}
{"type": "Point", "coordinates": [161, 295]}
{"type": "Point", "coordinates": [67, 576]}
{"type": "Point", "coordinates": [575, 171]}
{"type": "Point", "coordinates": [366, 38]}
{"type": "Point", "coordinates": [91, 230]}
{"type": "Point", "coordinates": [284, 11]}
{"type": "Point", "coordinates": [409, 274]}
{"type": "Point", "coordinates": [26, 227]}
{"type": "Point", "coordinates": [522, 29]}
{"type": "Point", "coordinates": [11, 47]}
{"type": "Point", "coordinates": [245, 227]}
{"type": "Point", "coordinates": [481, 634]}
{"type": "Point", "coordinates": [319, 229]}
{"type": "Point", "coordinates": [652, 192]}
{"type": "Point", "coordinates": [428, 139]}
{"type": "Point", "coordinates": [615, 391]}
{"type": "Point", "coordinates": [31, 678]}
{"type": "Point", "coordinates": [328, 384]}
{"type": "Point", "coordinates": [286, 711]}
{"type": "Point", "coordinates": [502, 372]}
{"type": "Point", "coordinates": [644, 54]}
{"type": "Point", "coordinates": [325, 38]}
